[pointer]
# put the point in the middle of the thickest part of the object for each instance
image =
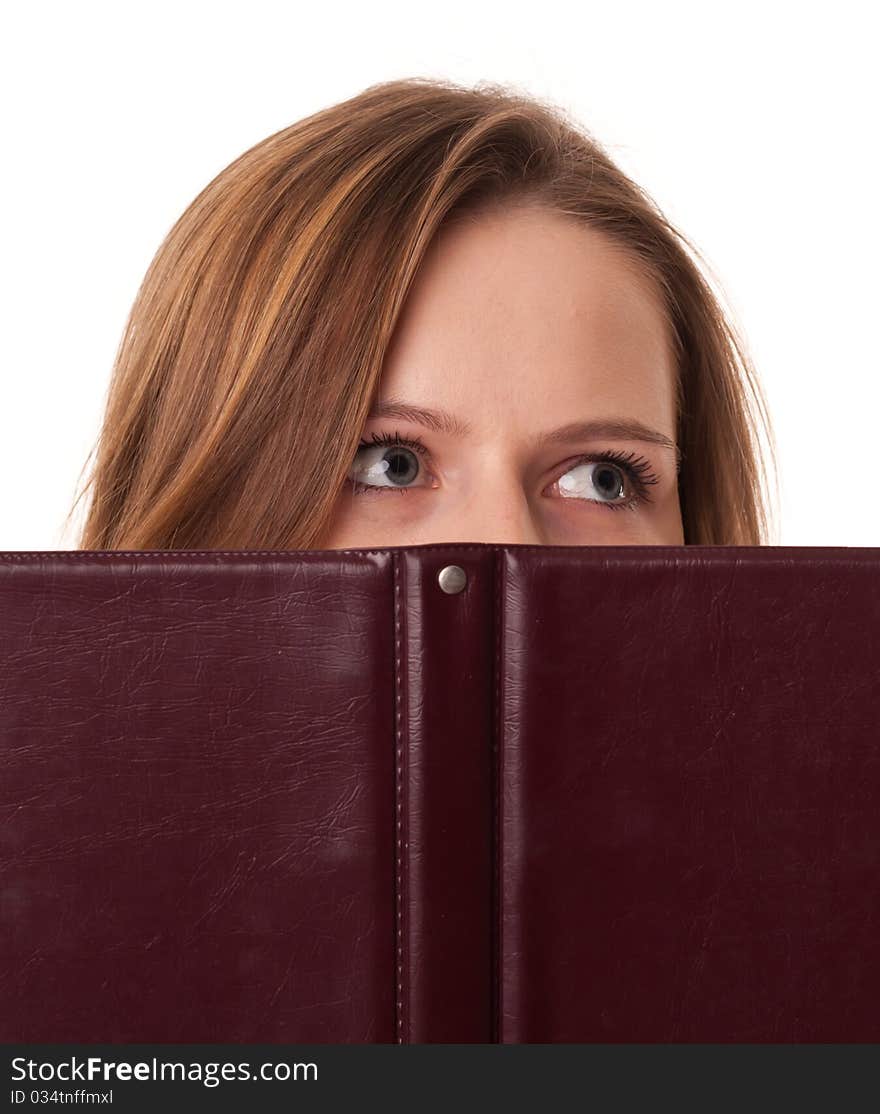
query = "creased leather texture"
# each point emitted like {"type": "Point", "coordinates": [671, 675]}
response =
{"type": "Point", "coordinates": [691, 782]}
{"type": "Point", "coordinates": [602, 794]}
{"type": "Point", "coordinates": [197, 786]}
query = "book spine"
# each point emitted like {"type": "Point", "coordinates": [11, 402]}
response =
{"type": "Point", "coordinates": [444, 812]}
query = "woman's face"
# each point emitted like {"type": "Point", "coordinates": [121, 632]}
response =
{"type": "Point", "coordinates": [527, 344]}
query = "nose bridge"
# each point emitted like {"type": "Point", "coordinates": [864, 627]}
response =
{"type": "Point", "coordinates": [499, 511]}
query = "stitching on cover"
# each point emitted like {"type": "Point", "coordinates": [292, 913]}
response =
{"type": "Point", "coordinates": [690, 556]}
{"type": "Point", "coordinates": [496, 809]}
{"type": "Point", "coordinates": [313, 554]}
{"type": "Point", "coordinates": [398, 799]}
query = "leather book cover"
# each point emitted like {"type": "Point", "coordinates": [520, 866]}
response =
{"type": "Point", "coordinates": [457, 793]}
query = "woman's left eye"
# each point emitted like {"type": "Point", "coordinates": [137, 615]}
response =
{"type": "Point", "coordinates": [625, 476]}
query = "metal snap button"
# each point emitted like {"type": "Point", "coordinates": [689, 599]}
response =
{"type": "Point", "coordinates": [452, 579]}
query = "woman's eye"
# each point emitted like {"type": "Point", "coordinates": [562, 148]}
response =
{"type": "Point", "coordinates": [387, 464]}
{"type": "Point", "coordinates": [598, 481]}
{"type": "Point", "coordinates": [612, 479]}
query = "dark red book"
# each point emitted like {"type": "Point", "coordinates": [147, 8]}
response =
{"type": "Point", "coordinates": [456, 793]}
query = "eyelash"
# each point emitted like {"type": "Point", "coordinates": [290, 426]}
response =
{"type": "Point", "coordinates": [637, 470]}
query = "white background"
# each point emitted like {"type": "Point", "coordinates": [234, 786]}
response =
{"type": "Point", "coordinates": [754, 127]}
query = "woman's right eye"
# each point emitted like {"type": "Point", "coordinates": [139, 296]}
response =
{"type": "Point", "coordinates": [387, 463]}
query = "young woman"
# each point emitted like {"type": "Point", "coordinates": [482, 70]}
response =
{"type": "Point", "coordinates": [443, 293]}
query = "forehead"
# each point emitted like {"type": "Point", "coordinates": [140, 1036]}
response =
{"type": "Point", "coordinates": [524, 303]}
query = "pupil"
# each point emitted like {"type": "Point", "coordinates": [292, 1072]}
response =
{"type": "Point", "coordinates": [605, 471]}
{"type": "Point", "coordinates": [400, 466]}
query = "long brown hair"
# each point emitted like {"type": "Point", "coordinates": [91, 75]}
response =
{"type": "Point", "coordinates": [255, 344]}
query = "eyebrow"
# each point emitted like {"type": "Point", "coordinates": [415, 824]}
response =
{"type": "Point", "coordinates": [442, 421]}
